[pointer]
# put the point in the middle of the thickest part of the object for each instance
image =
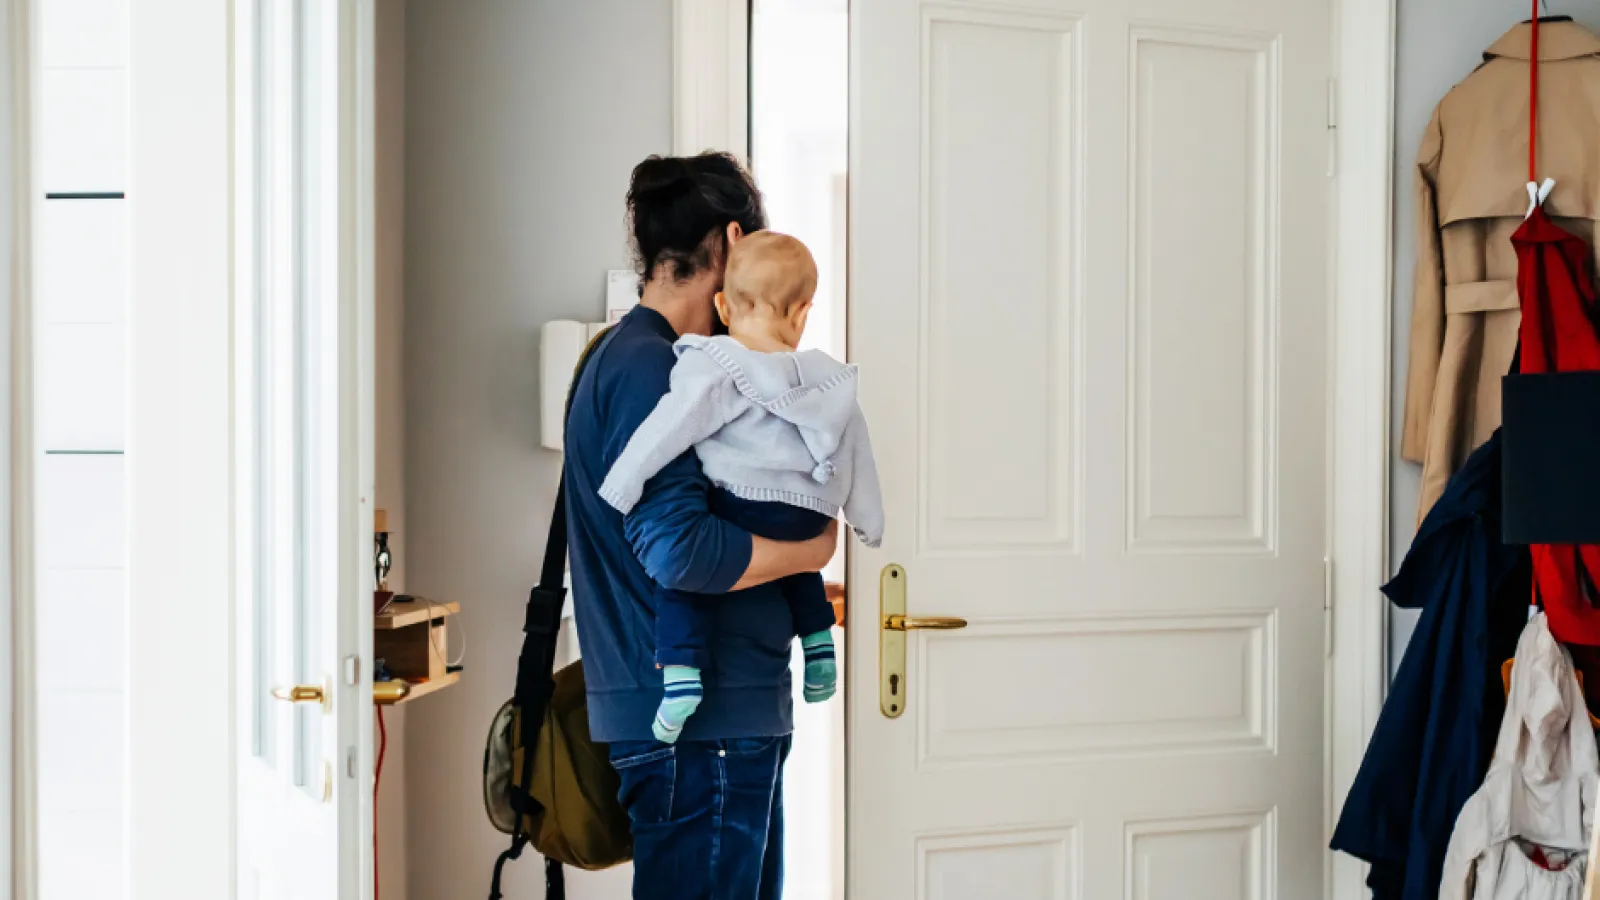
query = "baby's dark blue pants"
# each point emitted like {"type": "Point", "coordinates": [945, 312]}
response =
{"type": "Point", "coordinates": [684, 620]}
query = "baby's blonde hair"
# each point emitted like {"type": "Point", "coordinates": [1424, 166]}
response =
{"type": "Point", "coordinates": [769, 269]}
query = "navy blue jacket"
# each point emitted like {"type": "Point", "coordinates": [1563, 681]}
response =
{"type": "Point", "coordinates": [1432, 744]}
{"type": "Point", "coordinates": [670, 538]}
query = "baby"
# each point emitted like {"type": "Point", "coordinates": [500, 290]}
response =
{"type": "Point", "coordinates": [781, 437]}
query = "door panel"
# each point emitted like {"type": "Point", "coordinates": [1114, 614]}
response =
{"type": "Point", "coordinates": [1028, 865]}
{"type": "Point", "coordinates": [1202, 114]}
{"type": "Point", "coordinates": [999, 476]}
{"type": "Point", "coordinates": [1214, 858]}
{"type": "Point", "coordinates": [303, 456]}
{"type": "Point", "coordinates": [1088, 267]}
{"type": "Point", "coordinates": [976, 710]}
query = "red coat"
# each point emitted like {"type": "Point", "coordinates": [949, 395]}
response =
{"type": "Point", "coordinates": [1560, 332]}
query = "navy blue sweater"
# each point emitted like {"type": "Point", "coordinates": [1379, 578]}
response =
{"type": "Point", "coordinates": [672, 538]}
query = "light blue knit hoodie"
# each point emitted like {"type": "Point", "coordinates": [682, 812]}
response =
{"type": "Point", "coordinates": [781, 427]}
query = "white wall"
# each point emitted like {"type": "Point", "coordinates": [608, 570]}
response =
{"type": "Point", "coordinates": [81, 369]}
{"type": "Point", "coordinates": [523, 120]}
{"type": "Point", "coordinates": [1439, 42]}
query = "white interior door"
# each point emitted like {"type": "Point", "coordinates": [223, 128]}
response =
{"type": "Point", "coordinates": [303, 417]}
{"type": "Point", "coordinates": [1088, 252]}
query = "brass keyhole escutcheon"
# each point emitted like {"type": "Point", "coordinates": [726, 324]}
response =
{"type": "Point", "coordinates": [891, 641]}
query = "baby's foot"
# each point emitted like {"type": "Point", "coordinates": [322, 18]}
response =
{"type": "Point", "coordinates": [682, 697]}
{"type": "Point", "coordinates": [822, 671]}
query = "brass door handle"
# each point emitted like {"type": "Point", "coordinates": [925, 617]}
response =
{"type": "Point", "coordinates": [898, 622]}
{"type": "Point", "coordinates": [893, 623]}
{"type": "Point", "coordinates": [305, 693]}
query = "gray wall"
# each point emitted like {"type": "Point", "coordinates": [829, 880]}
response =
{"type": "Point", "coordinates": [523, 119]}
{"type": "Point", "coordinates": [1439, 43]}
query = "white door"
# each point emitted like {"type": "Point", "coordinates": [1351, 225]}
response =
{"type": "Point", "coordinates": [302, 438]}
{"type": "Point", "coordinates": [1088, 252]}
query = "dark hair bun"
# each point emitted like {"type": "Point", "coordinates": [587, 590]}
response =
{"type": "Point", "coordinates": [660, 176]}
{"type": "Point", "coordinates": [679, 207]}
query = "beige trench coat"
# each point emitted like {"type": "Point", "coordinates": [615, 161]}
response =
{"type": "Point", "coordinates": [1471, 194]}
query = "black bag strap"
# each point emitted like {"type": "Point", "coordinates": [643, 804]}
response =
{"type": "Point", "coordinates": [541, 625]}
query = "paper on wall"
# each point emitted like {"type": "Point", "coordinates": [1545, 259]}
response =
{"type": "Point", "coordinates": [622, 293]}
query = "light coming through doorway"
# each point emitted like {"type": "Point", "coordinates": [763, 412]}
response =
{"type": "Point", "coordinates": [799, 112]}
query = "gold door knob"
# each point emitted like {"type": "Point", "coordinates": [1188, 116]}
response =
{"type": "Point", "coordinates": [898, 622]}
{"type": "Point", "coordinates": [305, 693]}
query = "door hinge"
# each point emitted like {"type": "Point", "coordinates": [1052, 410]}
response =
{"type": "Point", "coordinates": [1327, 607]}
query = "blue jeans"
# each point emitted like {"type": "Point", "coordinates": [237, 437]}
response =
{"type": "Point", "coordinates": [707, 817]}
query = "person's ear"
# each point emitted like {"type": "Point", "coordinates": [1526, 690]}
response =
{"type": "Point", "coordinates": [720, 300]}
{"type": "Point", "coordinates": [735, 233]}
{"type": "Point", "coordinates": [798, 316]}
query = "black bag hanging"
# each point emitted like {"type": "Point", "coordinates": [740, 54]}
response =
{"type": "Point", "coordinates": [545, 781]}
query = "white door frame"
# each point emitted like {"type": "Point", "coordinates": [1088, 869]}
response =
{"type": "Point", "coordinates": [357, 84]}
{"type": "Point", "coordinates": [18, 831]}
{"type": "Point", "coordinates": [710, 104]}
{"type": "Point", "coordinates": [1360, 435]}
{"type": "Point", "coordinates": [181, 795]}
{"type": "Point", "coordinates": [711, 76]}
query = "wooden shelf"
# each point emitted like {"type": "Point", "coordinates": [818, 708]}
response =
{"type": "Point", "coordinates": [399, 614]}
{"type": "Point", "coordinates": [423, 689]}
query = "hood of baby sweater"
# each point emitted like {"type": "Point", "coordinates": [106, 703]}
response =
{"type": "Point", "coordinates": [808, 389]}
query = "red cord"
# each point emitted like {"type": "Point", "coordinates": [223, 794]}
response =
{"type": "Point", "coordinates": [1533, 141]}
{"type": "Point", "coordinates": [383, 744]}
{"type": "Point", "coordinates": [1533, 99]}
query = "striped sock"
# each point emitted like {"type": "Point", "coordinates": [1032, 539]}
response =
{"type": "Point", "coordinates": [822, 672]}
{"type": "Point", "coordinates": [682, 696]}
